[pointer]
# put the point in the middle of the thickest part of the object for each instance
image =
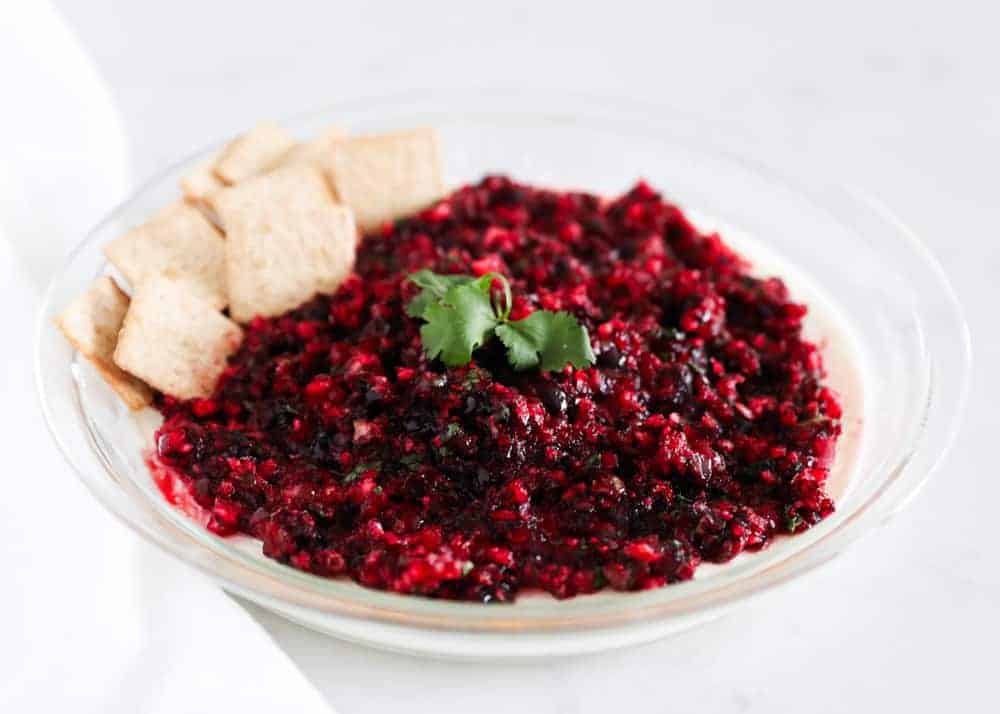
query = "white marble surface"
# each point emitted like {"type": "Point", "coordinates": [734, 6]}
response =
{"type": "Point", "coordinates": [900, 98]}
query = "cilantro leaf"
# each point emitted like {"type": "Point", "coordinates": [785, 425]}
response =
{"type": "Point", "coordinates": [463, 313]}
{"type": "Point", "coordinates": [567, 341]}
{"type": "Point", "coordinates": [460, 322]}
{"type": "Point", "coordinates": [548, 340]}
{"type": "Point", "coordinates": [434, 287]}
{"type": "Point", "coordinates": [524, 340]}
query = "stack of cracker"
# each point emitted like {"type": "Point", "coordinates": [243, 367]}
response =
{"type": "Point", "coordinates": [264, 226]}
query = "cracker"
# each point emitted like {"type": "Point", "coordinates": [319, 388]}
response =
{"type": "Point", "coordinates": [175, 340]}
{"type": "Point", "coordinates": [286, 240]}
{"type": "Point", "coordinates": [91, 324]}
{"type": "Point", "coordinates": [201, 182]}
{"type": "Point", "coordinates": [316, 152]}
{"type": "Point", "coordinates": [387, 176]}
{"type": "Point", "coordinates": [259, 150]}
{"type": "Point", "coordinates": [178, 243]}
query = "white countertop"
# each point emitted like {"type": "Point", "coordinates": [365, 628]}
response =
{"type": "Point", "coordinates": [902, 99]}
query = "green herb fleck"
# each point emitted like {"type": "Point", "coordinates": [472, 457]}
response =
{"type": "Point", "coordinates": [355, 473]}
{"type": "Point", "coordinates": [411, 461]}
{"type": "Point", "coordinates": [600, 580]}
{"type": "Point", "coordinates": [474, 377]}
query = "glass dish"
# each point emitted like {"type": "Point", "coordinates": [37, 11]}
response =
{"type": "Point", "coordinates": [896, 343]}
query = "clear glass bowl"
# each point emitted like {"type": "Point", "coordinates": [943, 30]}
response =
{"type": "Point", "coordinates": [903, 346]}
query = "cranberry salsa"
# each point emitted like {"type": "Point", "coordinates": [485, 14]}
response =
{"type": "Point", "coordinates": [701, 430]}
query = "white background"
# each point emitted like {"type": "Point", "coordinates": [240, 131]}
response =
{"type": "Point", "coordinates": [901, 98]}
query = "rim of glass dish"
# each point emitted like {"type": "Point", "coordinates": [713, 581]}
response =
{"type": "Point", "coordinates": [275, 582]}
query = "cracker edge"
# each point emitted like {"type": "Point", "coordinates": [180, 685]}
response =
{"type": "Point", "coordinates": [218, 299]}
{"type": "Point", "coordinates": [222, 171]}
{"type": "Point", "coordinates": [230, 338]}
{"type": "Point", "coordinates": [130, 389]}
{"type": "Point", "coordinates": [440, 189]}
{"type": "Point", "coordinates": [232, 199]}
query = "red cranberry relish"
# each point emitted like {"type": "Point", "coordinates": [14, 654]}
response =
{"type": "Point", "coordinates": [702, 431]}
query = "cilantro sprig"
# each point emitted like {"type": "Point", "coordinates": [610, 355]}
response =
{"type": "Point", "coordinates": [462, 313]}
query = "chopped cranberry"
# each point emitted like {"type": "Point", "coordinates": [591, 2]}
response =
{"type": "Point", "coordinates": [704, 430]}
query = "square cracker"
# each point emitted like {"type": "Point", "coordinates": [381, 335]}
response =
{"type": "Point", "coordinates": [179, 243]}
{"type": "Point", "coordinates": [286, 240]}
{"type": "Point", "coordinates": [387, 176]}
{"type": "Point", "coordinates": [91, 324]}
{"type": "Point", "coordinates": [318, 151]}
{"type": "Point", "coordinates": [259, 150]}
{"type": "Point", "coordinates": [175, 340]}
{"type": "Point", "coordinates": [201, 182]}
